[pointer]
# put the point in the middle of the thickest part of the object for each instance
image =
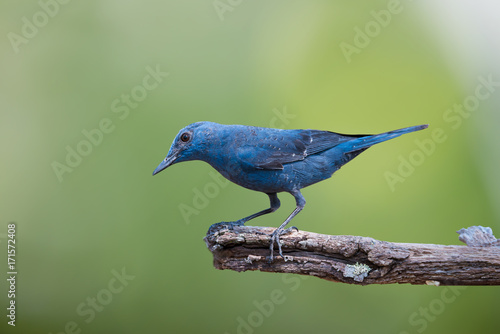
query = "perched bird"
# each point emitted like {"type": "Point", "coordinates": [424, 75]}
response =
{"type": "Point", "coordinates": [271, 160]}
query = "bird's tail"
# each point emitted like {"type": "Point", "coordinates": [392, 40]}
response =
{"type": "Point", "coordinates": [364, 142]}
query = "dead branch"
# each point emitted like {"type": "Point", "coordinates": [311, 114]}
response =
{"type": "Point", "coordinates": [360, 260]}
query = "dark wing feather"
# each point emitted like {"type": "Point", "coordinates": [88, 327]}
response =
{"type": "Point", "coordinates": [319, 141]}
{"type": "Point", "coordinates": [272, 152]}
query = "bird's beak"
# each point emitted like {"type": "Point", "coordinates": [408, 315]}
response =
{"type": "Point", "coordinates": [169, 160]}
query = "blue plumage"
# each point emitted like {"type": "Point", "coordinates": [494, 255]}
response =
{"type": "Point", "coordinates": [271, 160]}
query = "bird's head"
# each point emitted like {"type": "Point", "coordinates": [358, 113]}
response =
{"type": "Point", "coordinates": [189, 144]}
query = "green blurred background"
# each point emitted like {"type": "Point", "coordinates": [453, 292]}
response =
{"type": "Point", "coordinates": [259, 63]}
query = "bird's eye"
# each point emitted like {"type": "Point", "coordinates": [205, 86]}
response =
{"type": "Point", "coordinates": [185, 137]}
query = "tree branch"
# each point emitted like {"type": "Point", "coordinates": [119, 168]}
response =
{"type": "Point", "coordinates": [360, 260]}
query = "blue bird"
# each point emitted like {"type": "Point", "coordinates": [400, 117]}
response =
{"type": "Point", "coordinates": [271, 160]}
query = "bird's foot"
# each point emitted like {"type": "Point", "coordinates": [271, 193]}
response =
{"type": "Point", "coordinates": [275, 238]}
{"type": "Point", "coordinates": [290, 230]}
{"type": "Point", "coordinates": [229, 225]}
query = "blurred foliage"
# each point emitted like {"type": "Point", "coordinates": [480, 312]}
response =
{"type": "Point", "coordinates": [262, 61]}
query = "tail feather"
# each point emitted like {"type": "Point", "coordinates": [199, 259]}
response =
{"type": "Point", "coordinates": [363, 143]}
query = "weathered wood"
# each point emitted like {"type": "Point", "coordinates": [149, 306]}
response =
{"type": "Point", "coordinates": [359, 260]}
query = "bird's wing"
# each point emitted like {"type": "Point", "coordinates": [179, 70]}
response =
{"type": "Point", "coordinates": [273, 151]}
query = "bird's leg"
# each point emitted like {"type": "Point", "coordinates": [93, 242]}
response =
{"type": "Point", "coordinates": [275, 236]}
{"type": "Point", "coordinates": [275, 204]}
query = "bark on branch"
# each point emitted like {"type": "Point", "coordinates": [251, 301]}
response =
{"type": "Point", "coordinates": [360, 260]}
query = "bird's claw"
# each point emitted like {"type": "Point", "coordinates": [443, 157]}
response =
{"type": "Point", "coordinates": [290, 229]}
{"type": "Point", "coordinates": [229, 225]}
{"type": "Point", "coordinates": [275, 238]}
